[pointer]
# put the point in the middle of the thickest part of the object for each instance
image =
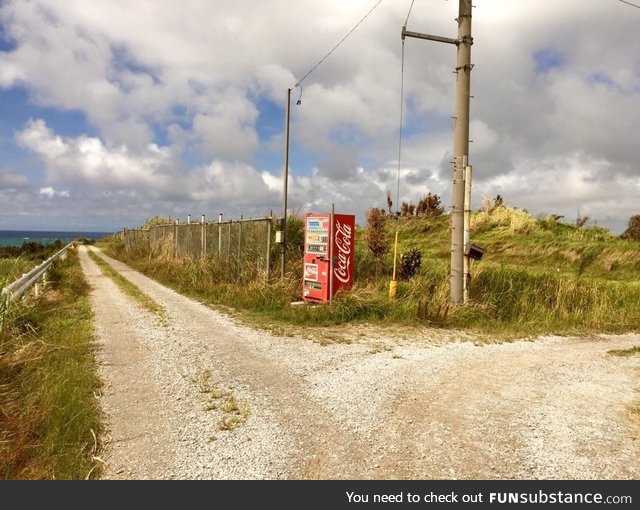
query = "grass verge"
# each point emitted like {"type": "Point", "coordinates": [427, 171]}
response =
{"type": "Point", "coordinates": [50, 417]}
{"type": "Point", "coordinates": [129, 288]}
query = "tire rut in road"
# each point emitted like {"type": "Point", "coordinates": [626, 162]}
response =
{"type": "Point", "coordinates": [136, 413]}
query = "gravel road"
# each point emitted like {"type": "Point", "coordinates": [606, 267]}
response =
{"type": "Point", "coordinates": [197, 395]}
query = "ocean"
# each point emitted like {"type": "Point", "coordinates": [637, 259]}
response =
{"type": "Point", "coordinates": [18, 237]}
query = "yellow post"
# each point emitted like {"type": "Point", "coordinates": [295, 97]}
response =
{"type": "Point", "coordinates": [393, 284]}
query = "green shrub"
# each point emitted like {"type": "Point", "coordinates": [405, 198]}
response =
{"type": "Point", "coordinates": [409, 264]}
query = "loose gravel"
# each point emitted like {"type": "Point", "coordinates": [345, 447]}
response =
{"type": "Point", "coordinates": [198, 395]}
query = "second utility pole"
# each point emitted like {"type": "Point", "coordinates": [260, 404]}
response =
{"type": "Point", "coordinates": [461, 141]}
{"type": "Point", "coordinates": [285, 182]}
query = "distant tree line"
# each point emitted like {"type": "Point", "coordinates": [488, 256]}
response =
{"type": "Point", "coordinates": [35, 251]}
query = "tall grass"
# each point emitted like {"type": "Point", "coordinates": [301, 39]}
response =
{"type": "Point", "coordinates": [538, 275]}
{"type": "Point", "coordinates": [50, 418]}
{"type": "Point", "coordinates": [12, 268]}
{"type": "Point", "coordinates": [556, 303]}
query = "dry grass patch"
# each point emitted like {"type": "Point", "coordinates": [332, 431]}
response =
{"type": "Point", "coordinates": [232, 412]}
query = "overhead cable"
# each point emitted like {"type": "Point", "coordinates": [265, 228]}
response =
{"type": "Point", "coordinates": [339, 43]}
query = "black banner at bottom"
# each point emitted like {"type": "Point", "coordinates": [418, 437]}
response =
{"type": "Point", "coordinates": [434, 494]}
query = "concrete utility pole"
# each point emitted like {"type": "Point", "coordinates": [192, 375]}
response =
{"type": "Point", "coordinates": [285, 182]}
{"type": "Point", "coordinates": [461, 141]}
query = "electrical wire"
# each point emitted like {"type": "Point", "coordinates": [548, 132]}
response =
{"type": "Point", "coordinates": [339, 43]}
{"type": "Point", "coordinates": [401, 112]}
{"type": "Point", "coordinates": [409, 13]}
{"type": "Point", "coordinates": [401, 122]}
{"type": "Point", "coordinates": [631, 4]}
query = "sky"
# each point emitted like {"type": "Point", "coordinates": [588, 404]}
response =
{"type": "Point", "coordinates": [115, 111]}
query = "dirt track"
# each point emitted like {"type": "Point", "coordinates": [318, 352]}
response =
{"type": "Point", "coordinates": [380, 407]}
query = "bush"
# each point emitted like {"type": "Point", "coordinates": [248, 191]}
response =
{"type": "Point", "coordinates": [429, 206]}
{"type": "Point", "coordinates": [633, 228]}
{"type": "Point", "coordinates": [375, 234]}
{"type": "Point", "coordinates": [409, 264]}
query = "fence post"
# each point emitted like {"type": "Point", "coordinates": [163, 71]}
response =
{"type": "Point", "coordinates": [229, 268]}
{"type": "Point", "coordinates": [220, 235]}
{"type": "Point", "coordinates": [175, 239]}
{"type": "Point", "coordinates": [203, 238]}
{"type": "Point", "coordinates": [239, 240]}
{"type": "Point", "coordinates": [187, 248]}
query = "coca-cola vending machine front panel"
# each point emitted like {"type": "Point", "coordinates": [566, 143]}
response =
{"type": "Point", "coordinates": [323, 241]}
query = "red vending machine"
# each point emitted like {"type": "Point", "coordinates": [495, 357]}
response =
{"type": "Point", "coordinates": [324, 241]}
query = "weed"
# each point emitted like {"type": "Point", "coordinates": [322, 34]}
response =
{"type": "Point", "coordinates": [230, 405]}
{"type": "Point", "coordinates": [625, 352]}
{"type": "Point", "coordinates": [221, 400]}
{"type": "Point", "coordinates": [204, 381]}
{"type": "Point", "coordinates": [378, 347]}
{"type": "Point", "coordinates": [230, 422]}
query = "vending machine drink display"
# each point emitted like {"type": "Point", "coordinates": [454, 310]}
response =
{"type": "Point", "coordinates": [328, 255]}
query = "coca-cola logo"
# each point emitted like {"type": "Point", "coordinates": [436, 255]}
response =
{"type": "Point", "coordinates": [343, 241]}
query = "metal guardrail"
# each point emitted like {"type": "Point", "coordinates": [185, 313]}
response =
{"type": "Point", "coordinates": [18, 288]}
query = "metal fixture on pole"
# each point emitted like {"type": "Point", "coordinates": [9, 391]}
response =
{"type": "Point", "coordinates": [461, 141]}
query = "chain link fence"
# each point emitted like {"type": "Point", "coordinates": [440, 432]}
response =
{"type": "Point", "coordinates": [244, 245]}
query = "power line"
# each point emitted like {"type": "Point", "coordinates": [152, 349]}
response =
{"type": "Point", "coordinates": [341, 41]}
{"type": "Point", "coordinates": [629, 3]}
{"type": "Point", "coordinates": [401, 113]}
{"type": "Point", "coordinates": [409, 13]}
{"type": "Point", "coordinates": [401, 121]}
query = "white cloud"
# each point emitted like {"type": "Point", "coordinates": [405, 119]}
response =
{"type": "Point", "coordinates": [237, 184]}
{"type": "Point", "coordinates": [49, 192]}
{"type": "Point", "coordinates": [227, 129]}
{"type": "Point", "coordinates": [567, 185]}
{"type": "Point", "coordinates": [85, 162]}
{"type": "Point", "coordinates": [10, 180]}
{"type": "Point", "coordinates": [89, 160]}
{"type": "Point", "coordinates": [9, 72]}
{"type": "Point", "coordinates": [173, 96]}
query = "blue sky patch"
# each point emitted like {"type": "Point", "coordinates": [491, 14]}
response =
{"type": "Point", "coordinates": [6, 43]}
{"type": "Point", "coordinates": [271, 118]}
{"type": "Point", "coordinates": [17, 109]}
{"type": "Point", "coordinates": [123, 61]}
{"type": "Point", "coordinates": [601, 78]}
{"type": "Point", "coordinates": [547, 59]}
